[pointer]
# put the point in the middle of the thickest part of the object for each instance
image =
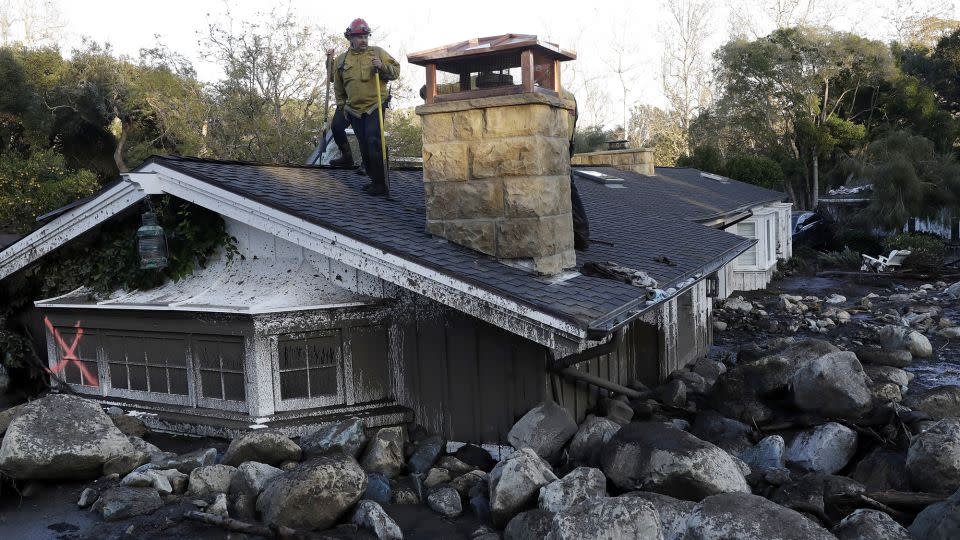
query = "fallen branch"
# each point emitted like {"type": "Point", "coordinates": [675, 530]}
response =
{"type": "Point", "coordinates": [236, 525]}
{"type": "Point", "coordinates": [906, 499]}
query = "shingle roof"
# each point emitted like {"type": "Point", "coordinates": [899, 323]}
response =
{"type": "Point", "coordinates": [687, 194]}
{"type": "Point", "coordinates": [625, 233]}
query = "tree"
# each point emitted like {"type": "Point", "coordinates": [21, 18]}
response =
{"type": "Point", "coordinates": [750, 19]}
{"type": "Point", "coordinates": [37, 184]}
{"type": "Point", "coordinates": [270, 105]}
{"type": "Point", "coordinates": [685, 69]}
{"type": "Point", "coordinates": [30, 23]}
{"type": "Point", "coordinates": [660, 129]}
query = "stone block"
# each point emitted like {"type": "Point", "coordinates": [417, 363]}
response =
{"type": "Point", "coordinates": [519, 156]}
{"type": "Point", "coordinates": [434, 227]}
{"type": "Point", "coordinates": [536, 196]}
{"type": "Point", "coordinates": [525, 120]}
{"type": "Point", "coordinates": [445, 162]}
{"type": "Point", "coordinates": [477, 234]}
{"type": "Point", "coordinates": [554, 264]}
{"type": "Point", "coordinates": [437, 128]}
{"type": "Point", "coordinates": [464, 200]}
{"type": "Point", "coordinates": [520, 238]}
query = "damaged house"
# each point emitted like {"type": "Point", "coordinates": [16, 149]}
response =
{"type": "Point", "coordinates": [459, 303]}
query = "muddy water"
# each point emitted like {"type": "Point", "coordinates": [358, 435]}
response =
{"type": "Point", "coordinates": [944, 367]}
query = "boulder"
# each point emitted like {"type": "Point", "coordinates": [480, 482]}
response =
{"type": "Point", "coordinates": [454, 465]}
{"type": "Point", "coordinates": [378, 489]}
{"type": "Point", "coordinates": [177, 480]}
{"type": "Point", "coordinates": [883, 469]}
{"type": "Point", "coordinates": [87, 497]}
{"type": "Point", "coordinates": [515, 482]}
{"type": "Point", "coordinates": [148, 479]}
{"type": "Point", "coordinates": [738, 304]}
{"type": "Point", "coordinates": [835, 299]}
{"type": "Point", "coordinates": [709, 369]}
{"type": "Point", "coordinates": [952, 332]}
{"type": "Point", "coordinates": [887, 374]}
{"type": "Point", "coordinates": [953, 290]}
{"type": "Point", "coordinates": [767, 454]}
{"type": "Point", "coordinates": [812, 493]}
{"type": "Point", "coordinates": [425, 454]}
{"type": "Point", "coordinates": [130, 426]}
{"type": "Point", "coordinates": [864, 524]}
{"type": "Point", "coordinates": [617, 411]}
{"type": "Point", "coordinates": [125, 502]}
{"type": "Point", "coordinates": [472, 454]}
{"type": "Point", "coordinates": [833, 385]}
{"type": "Point", "coordinates": [731, 435]}
{"type": "Point", "coordinates": [125, 463]}
{"type": "Point", "coordinates": [546, 429]}
{"type": "Point", "coordinates": [580, 484]}
{"type": "Point", "coordinates": [749, 517]}
{"type": "Point", "coordinates": [7, 416]}
{"type": "Point", "coordinates": [371, 516]}
{"type": "Point", "coordinates": [529, 525]}
{"type": "Point", "coordinates": [825, 449]}
{"type": "Point", "coordinates": [673, 512]}
{"type": "Point", "coordinates": [465, 482]}
{"type": "Point", "coordinates": [219, 506]}
{"type": "Point", "coordinates": [939, 402]}
{"type": "Point", "coordinates": [651, 456]}
{"type": "Point", "coordinates": [264, 446]}
{"type": "Point", "coordinates": [314, 494]}
{"type": "Point", "coordinates": [186, 463]}
{"type": "Point", "coordinates": [918, 345]}
{"type": "Point", "coordinates": [436, 476]}
{"type": "Point", "coordinates": [607, 517]}
{"type": "Point", "coordinates": [940, 521]}
{"type": "Point", "coordinates": [445, 501]}
{"type": "Point", "coordinates": [892, 337]}
{"type": "Point", "coordinates": [251, 478]}
{"type": "Point", "coordinates": [933, 460]}
{"type": "Point", "coordinates": [384, 454]}
{"type": "Point", "coordinates": [590, 438]}
{"type": "Point", "coordinates": [883, 357]}
{"type": "Point", "coordinates": [210, 479]}
{"type": "Point", "coordinates": [61, 436]}
{"type": "Point", "coordinates": [347, 435]}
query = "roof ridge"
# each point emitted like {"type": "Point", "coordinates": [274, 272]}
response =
{"type": "Point", "coordinates": [196, 159]}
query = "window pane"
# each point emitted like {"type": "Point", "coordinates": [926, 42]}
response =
{"type": "Point", "coordinates": [292, 356]}
{"type": "Point", "coordinates": [232, 357]}
{"type": "Point", "coordinates": [70, 372]}
{"type": "Point", "coordinates": [138, 378]}
{"type": "Point", "coordinates": [747, 229]}
{"type": "Point", "coordinates": [323, 382]}
{"type": "Point", "coordinates": [158, 379]}
{"type": "Point", "coordinates": [293, 384]}
{"type": "Point", "coordinates": [322, 353]}
{"type": "Point", "coordinates": [233, 384]}
{"type": "Point", "coordinates": [178, 381]}
{"type": "Point", "coordinates": [210, 384]}
{"type": "Point", "coordinates": [207, 355]}
{"type": "Point", "coordinates": [118, 376]}
{"type": "Point", "coordinates": [92, 370]}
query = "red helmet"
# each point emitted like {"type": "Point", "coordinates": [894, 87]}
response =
{"type": "Point", "coordinates": [357, 27]}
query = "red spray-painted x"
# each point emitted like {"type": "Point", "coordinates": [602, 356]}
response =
{"type": "Point", "coordinates": [69, 354]}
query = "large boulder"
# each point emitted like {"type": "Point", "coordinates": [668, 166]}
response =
{"type": "Point", "coordinates": [607, 517]}
{"type": "Point", "coordinates": [125, 502]}
{"type": "Point", "coordinates": [742, 516]}
{"type": "Point", "coordinates": [515, 483]}
{"type": "Point", "coordinates": [445, 501]}
{"type": "Point", "coordinates": [887, 374]}
{"type": "Point", "coordinates": [210, 479]}
{"type": "Point", "coordinates": [384, 453]}
{"type": "Point", "coordinates": [731, 435]}
{"type": "Point", "coordinates": [61, 436]}
{"type": "Point", "coordinates": [813, 493]}
{"type": "Point", "coordinates": [885, 357]}
{"type": "Point", "coordinates": [833, 385]}
{"type": "Point", "coordinates": [529, 525]}
{"type": "Point", "coordinates": [940, 521]}
{"type": "Point", "coordinates": [939, 402]}
{"type": "Point", "coordinates": [825, 449]}
{"type": "Point", "coordinates": [651, 456]}
{"type": "Point", "coordinates": [918, 345]}
{"type": "Point", "coordinates": [251, 478]}
{"type": "Point", "coordinates": [593, 433]}
{"type": "Point", "coordinates": [264, 446]}
{"type": "Point", "coordinates": [953, 290]}
{"type": "Point", "coordinates": [371, 516]}
{"type": "Point", "coordinates": [767, 454]}
{"type": "Point", "coordinates": [314, 494]}
{"type": "Point", "coordinates": [892, 337]}
{"type": "Point", "coordinates": [883, 469]}
{"type": "Point", "coordinates": [347, 435]}
{"type": "Point", "coordinates": [425, 454]}
{"type": "Point", "coordinates": [580, 484]}
{"type": "Point", "coordinates": [866, 524]}
{"type": "Point", "coordinates": [545, 428]}
{"type": "Point", "coordinates": [673, 513]}
{"type": "Point", "coordinates": [933, 460]}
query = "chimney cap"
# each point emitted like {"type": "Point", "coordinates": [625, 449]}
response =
{"type": "Point", "coordinates": [462, 50]}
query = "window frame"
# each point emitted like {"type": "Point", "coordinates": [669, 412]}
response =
{"type": "Point", "coordinates": [343, 372]}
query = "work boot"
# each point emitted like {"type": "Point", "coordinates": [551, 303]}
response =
{"type": "Point", "coordinates": [361, 170]}
{"type": "Point", "coordinates": [345, 159]}
{"type": "Point", "coordinates": [375, 189]}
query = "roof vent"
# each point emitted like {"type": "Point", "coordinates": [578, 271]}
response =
{"type": "Point", "coordinates": [599, 177]}
{"type": "Point", "coordinates": [717, 177]}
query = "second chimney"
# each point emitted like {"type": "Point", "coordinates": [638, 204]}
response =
{"type": "Point", "coordinates": [496, 163]}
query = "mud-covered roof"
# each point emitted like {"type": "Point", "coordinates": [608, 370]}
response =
{"type": "Point", "coordinates": [623, 230]}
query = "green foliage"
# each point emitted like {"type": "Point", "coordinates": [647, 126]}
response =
{"type": "Point", "coordinates": [858, 237]}
{"type": "Point", "coordinates": [705, 157]}
{"type": "Point", "coordinates": [846, 259]}
{"type": "Point", "coordinates": [926, 250]}
{"type": "Point", "coordinates": [404, 133]}
{"type": "Point", "coordinates": [592, 139]}
{"type": "Point", "coordinates": [758, 170]}
{"type": "Point", "coordinates": [35, 185]}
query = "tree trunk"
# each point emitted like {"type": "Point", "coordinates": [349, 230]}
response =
{"type": "Point", "coordinates": [118, 152]}
{"type": "Point", "coordinates": [815, 181]}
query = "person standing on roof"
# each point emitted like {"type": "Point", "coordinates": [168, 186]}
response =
{"type": "Point", "coordinates": [355, 86]}
{"type": "Point", "coordinates": [339, 122]}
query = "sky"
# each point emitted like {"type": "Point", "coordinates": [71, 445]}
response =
{"type": "Point", "coordinates": [591, 29]}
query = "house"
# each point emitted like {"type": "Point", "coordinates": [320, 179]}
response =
{"type": "Point", "coordinates": [843, 203]}
{"type": "Point", "coordinates": [684, 193]}
{"type": "Point", "coordinates": [459, 303]}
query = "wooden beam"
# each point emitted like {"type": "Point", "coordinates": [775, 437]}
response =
{"type": "Point", "coordinates": [572, 373]}
{"type": "Point", "coordinates": [556, 77]}
{"type": "Point", "coordinates": [431, 83]}
{"type": "Point", "coordinates": [526, 70]}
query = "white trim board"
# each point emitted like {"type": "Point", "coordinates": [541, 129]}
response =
{"type": "Point", "coordinates": [155, 178]}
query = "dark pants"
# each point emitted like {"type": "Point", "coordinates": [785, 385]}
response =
{"type": "Point", "coordinates": [367, 129]}
{"type": "Point", "coordinates": [581, 226]}
{"type": "Point", "coordinates": [339, 126]}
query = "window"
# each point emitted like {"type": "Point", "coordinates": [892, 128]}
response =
{"type": "Point", "coordinates": [84, 354]}
{"type": "Point", "coordinates": [747, 229]}
{"type": "Point", "coordinates": [311, 367]}
{"type": "Point", "coordinates": [146, 363]}
{"type": "Point", "coordinates": [769, 240]}
{"type": "Point", "coordinates": [219, 361]}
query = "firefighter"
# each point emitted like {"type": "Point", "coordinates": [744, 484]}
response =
{"type": "Point", "coordinates": [581, 225]}
{"type": "Point", "coordinates": [354, 85]}
{"type": "Point", "coordinates": [339, 123]}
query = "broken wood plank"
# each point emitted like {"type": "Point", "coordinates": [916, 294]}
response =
{"type": "Point", "coordinates": [236, 525]}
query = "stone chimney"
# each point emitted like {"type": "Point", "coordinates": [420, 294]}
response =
{"type": "Point", "coordinates": [496, 164]}
{"type": "Point", "coordinates": [638, 160]}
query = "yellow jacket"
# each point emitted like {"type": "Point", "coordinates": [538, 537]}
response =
{"type": "Point", "coordinates": [353, 80]}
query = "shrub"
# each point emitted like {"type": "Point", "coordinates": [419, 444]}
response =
{"type": "Point", "coordinates": [33, 186]}
{"type": "Point", "coordinates": [926, 250]}
{"type": "Point", "coordinates": [846, 258]}
{"type": "Point", "coordinates": [757, 170]}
